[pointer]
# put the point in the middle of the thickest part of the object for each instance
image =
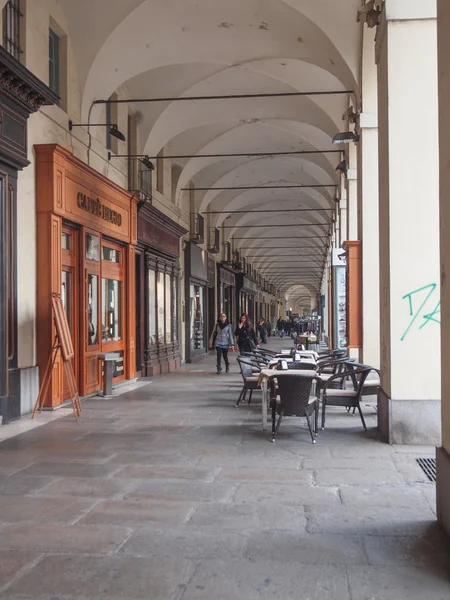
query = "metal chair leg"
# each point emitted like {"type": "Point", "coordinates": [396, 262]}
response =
{"type": "Point", "coordinates": [316, 418]}
{"type": "Point", "coordinates": [362, 417]}
{"type": "Point", "coordinates": [324, 406]}
{"type": "Point", "coordinates": [277, 428]}
{"type": "Point", "coordinates": [250, 397]}
{"type": "Point", "coordinates": [313, 439]}
{"type": "Point", "coordinates": [274, 412]}
{"type": "Point", "coordinates": [240, 397]}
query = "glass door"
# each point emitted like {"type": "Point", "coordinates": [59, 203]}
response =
{"type": "Point", "coordinates": [70, 292]}
{"type": "Point", "coordinates": [112, 304]}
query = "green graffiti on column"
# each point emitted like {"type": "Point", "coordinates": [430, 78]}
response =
{"type": "Point", "coordinates": [416, 311]}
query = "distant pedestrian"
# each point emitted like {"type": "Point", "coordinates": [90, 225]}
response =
{"type": "Point", "coordinates": [222, 339]}
{"type": "Point", "coordinates": [262, 330]}
{"type": "Point", "coordinates": [280, 327]}
{"type": "Point", "coordinates": [246, 335]}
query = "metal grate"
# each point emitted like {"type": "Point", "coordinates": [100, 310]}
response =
{"type": "Point", "coordinates": [428, 466]}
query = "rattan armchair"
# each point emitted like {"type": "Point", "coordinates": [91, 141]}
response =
{"type": "Point", "coordinates": [295, 400]}
{"type": "Point", "coordinates": [341, 396]}
{"type": "Point", "coordinates": [250, 379]}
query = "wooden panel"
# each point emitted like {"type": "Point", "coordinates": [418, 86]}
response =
{"type": "Point", "coordinates": [59, 189]}
{"type": "Point", "coordinates": [354, 294]}
{"type": "Point", "coordinates": [130, 354]}
{"type": "Point", "coordinates": [92, 374]}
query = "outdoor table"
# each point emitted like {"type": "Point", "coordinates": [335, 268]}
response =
{"type": "Point", "coordinates": [307, 339]}
{"type": "Point", "coordinates": [266, 375]}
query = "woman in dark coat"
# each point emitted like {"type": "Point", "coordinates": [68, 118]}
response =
{"type": "Point", "coordinates": [245, 335]}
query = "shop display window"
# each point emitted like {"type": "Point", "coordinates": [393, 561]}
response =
{"type": "Point", "coordinates": [197, 303]}
{"type": "Point", "coordinates": [110, 254]}
{"type": "Point", "coordinates": [92, 247]}
{"type": "Point", "coordinates": [152, 307]}
{"type": "Point", "coordinates": [111, 310]}
{"type": "Point", "coordinates": [66, 295]}
{"type": "Point", "coordinates": [92, 309]}
{"type": "Point", "coordinates": [160, 301]}
{"type": "Point", "coordinates": [168, 309]}
{"type": "Point", "coordinates": [174, 309]}
{"type": "Point", "coordinates": [66, 241]}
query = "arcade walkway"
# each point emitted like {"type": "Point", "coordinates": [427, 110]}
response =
{"type": "Point", "coordinates": [169, 492]}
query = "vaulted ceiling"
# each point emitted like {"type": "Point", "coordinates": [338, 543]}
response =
{"type": "Point", "coordinates": [172, 48]}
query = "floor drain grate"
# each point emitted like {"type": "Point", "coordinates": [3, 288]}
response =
{"type": "Point", "coordinates": [428, 466]}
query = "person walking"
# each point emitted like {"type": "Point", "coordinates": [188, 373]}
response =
{"type": "Point", "coordinates": [280, 327]}
{"type": "Point", "coordinates": [262, 330]}
{"type": "Point", "coordinates": [222, 339]}
{"type": "Point", "coordinates": [246, 335]}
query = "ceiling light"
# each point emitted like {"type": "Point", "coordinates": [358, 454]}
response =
{"type": "Point", "coordinates": [345, 137]}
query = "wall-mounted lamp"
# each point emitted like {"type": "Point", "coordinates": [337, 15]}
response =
{"type": "Point", "coordinates": [345, 137]}
{"type": "Point", "coordinates": [369, 14]}
{"type": "Point", "coordinates": [113, 129]}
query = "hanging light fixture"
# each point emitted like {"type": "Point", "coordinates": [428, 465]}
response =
{"type": "Point", "coordinates": [113, 129]}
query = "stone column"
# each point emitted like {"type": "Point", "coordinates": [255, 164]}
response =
{"type": "Point", "coordinates": [369, 219]}
{"type": "Point", "coordinates": [409, 401]}
{"type": "Point", "coordinates": [443, 453]}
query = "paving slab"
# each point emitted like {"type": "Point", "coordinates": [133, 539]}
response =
{"type": "Point", "coordinates": [244, 516]}
{"type": "Point", "coordinates": [23, 485]}
{"type": "Point", "coordinates": [138, 512]}
{"type": "Point", "coordinates": [358, 477]}
{"type": "Point", "coordinates": [13, 563]}
{"type": "Point", "coordinates": [63, 538]}
{"type": "Point", "coordinates": [398, 583]}
{"type": "Point", "coordinates": [188, 542]}
{"type": "Point", "coordinates": [198, 491]}
{"type": "Point", "coordinates": [369, 520]}
{"type": "Point", "coordinates": [284, 493]}
{"type": "Point", "coordinates": [318, 549]}
{"type": "Point", "coordinates": [266, 580]}
{"type": "Point", "coordinates": [101, 487]}
{"type": "Point", "coordinates": [269, 475]}
{"type": "Point", "coordinates": [16, 509]}
{"type": "Point", "coordinates": [102, 578]}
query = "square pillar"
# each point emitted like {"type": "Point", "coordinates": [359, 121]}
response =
{"type": "Point", "coordinates": [409, 404]}
{"type": "Point", "coordinates": [443, 453]}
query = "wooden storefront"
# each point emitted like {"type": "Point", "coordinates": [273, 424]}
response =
{"type": "Point", "coordinates": [86, 243]}
{"type": "Point", "coordinates": [158, 293]}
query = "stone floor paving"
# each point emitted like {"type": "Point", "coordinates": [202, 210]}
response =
{"type": "Point", "coordinates": [169, 493]}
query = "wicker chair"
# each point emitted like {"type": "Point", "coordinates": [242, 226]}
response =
{"type": "Point", "coordinates": [345, 397]}
{"type": "Point", "coordinates": [250, 380]}
{"type": "Point", "coordinates": [303, 365]}
{"type": "Point", "coordinates": [295, 401]}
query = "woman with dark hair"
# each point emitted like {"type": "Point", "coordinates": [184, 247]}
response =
{"type": "Point", "coordinates": [222, 338]}
{"type": "Point", "coordinates": [246, 335]}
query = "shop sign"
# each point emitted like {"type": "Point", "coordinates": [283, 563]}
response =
{"type": "Point", "coordinates": [95, 207]}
